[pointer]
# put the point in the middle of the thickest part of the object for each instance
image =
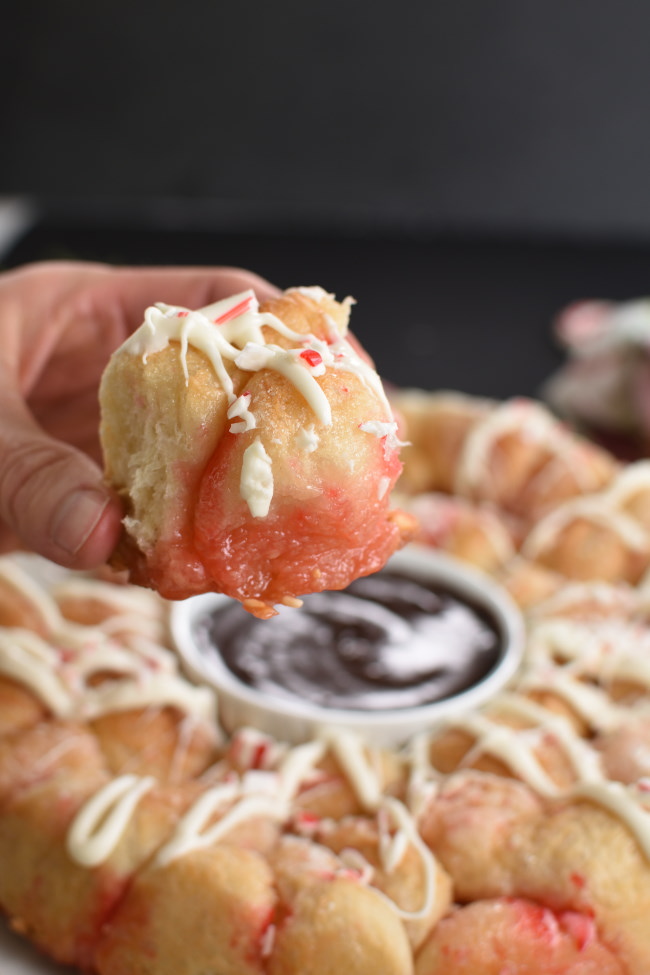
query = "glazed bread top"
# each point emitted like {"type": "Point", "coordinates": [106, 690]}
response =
{"type": "Point", "coordinates": [254, 448]}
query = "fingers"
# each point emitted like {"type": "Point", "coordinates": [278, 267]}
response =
{"type": "Point", "coordinates": [67, 318]}
{"type": "Point", "coordinates": [52, 496]}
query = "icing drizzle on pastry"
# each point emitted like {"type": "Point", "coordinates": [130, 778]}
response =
{"type": "Point", "coordinates": [84, 671]}
{"type": "Point", "coordinates": [256, 479]}
{"type": "Point", "coordinates": [510, 729]}
{"type": "Point", "coordinates": [239, 338]}
{"type": "Point", "coordinates": [100, 823]}
{"type": "Point", "coordinates": [231, 333]}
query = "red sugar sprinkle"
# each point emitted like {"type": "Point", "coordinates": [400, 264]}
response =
{"type": "Point", "coordinates": [349, 873]}
{"type": "Point", "coordinates": [307, 817]}
{"type": "Point", "coordinates": [182, 314]}
{"type": "Point", "coordinates": [535, 921]}
{"type": "Point", "coordinates": [234, 312]}
{"type": "Point", "coordinates": [581, 928]}
{"type": "Point", "coordinates": [312, 357]}
{"type": "Point", "coordinates": [259, 755]}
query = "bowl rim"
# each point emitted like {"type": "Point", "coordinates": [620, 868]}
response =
{"type": "Point", "coordinates": [420, 562]}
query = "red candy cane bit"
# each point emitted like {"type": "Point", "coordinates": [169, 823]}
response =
{"type": "Point", "coordinates": [311, 357]}
{"type": "Point", "coordinates": [306, 818]}
{"type": "Point", "coordinates": [581, 927]}
{"type": "Point", "coordinates": [349, 873]}
{"type": "Point", "coordinates": [234, 312]}
{"type": "Point", "coordinates": [260, 754]}
{"type": "Point", "coordinates": [182, 314]}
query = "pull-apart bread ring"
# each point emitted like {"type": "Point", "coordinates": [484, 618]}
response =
{"type": "Point", "coordinates": [254, 449]}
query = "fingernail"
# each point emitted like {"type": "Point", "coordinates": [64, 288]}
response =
{"type": "Point", "coordinates": [76, 519]}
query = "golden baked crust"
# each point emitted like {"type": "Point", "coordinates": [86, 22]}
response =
{"type": "Point", "coordinates": [316, 423]}
{"type": "Point", "coordinates": [516, 838]}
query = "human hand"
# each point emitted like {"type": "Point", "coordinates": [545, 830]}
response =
{"type": "Point", "coordinates": [59, 323]}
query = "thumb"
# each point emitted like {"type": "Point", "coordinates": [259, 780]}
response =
{"type": "Point", "coordinates": [52, 495]}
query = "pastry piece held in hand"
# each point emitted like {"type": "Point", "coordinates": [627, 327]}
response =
{"type": "Point", "coordinates": [254, 449]}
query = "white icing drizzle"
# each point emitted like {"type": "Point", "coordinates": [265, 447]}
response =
{"type": "Point", "coordinates": [439, 514]}
{"type": "Point", "coordinates": [192, 831]}
{"type": "Point", "coordinates": [591, 704]}
{"type": "Point", "coordinates": [622, 667]}
{"type": "Point", "coordinates": [577, 597]}
{"type": "Point", "coordinates": [497, 534]}
{"type": "Point", "coordinates": [307, 439]}
{"type": "Point", "coordinates": [156, 689]}
{"type": "Point", "coordinates": [270, 794]}
{"type": "Point", "coordinates": [623, 802]}
{"type": "Point", "coordinates": [257, 793]}
{"type": "Point", "coordinates": [522, 417]}
{"type": "Point", "coordinates": [356, 862]}
{"type": "Point", "coordinates": [523, 707]}
{"type": "Point", "coordinates": [135, 672]}
{"type": "Point", "coordinates": [424, 780]}
{"type": "Point", "coordinates": [100, 823]}
{"type": "Point", "coordinates": [17, 580]}
{"type": "Point", "coordinates": [128, 627]}
{"type": "Point", "coordinates": [231, 333]}
{"type": "Point", "coordinates": [383, 486]}
{"type": "Point", "coordinates": [256, 481]}
{"type": "Point", "coordinates": [290, 364]}
{"type": "Point", "coordinates": [614, 649]}
{"type": "Point", "coordinates": [392, 846]}
{"type": "Point", "coordinates": [610, 328]}
{"type": "Point", "coordinates": [26, 658]}
{"type": "Point", "coordinates": [168, 323]}
{"type": "Point", "coordinates": [252, 748]}
{"type": "Point", "coordinates": [509, 747]}
{"type": "Point", "coordinates": [384, 430]}
{"type": "Point", "coordinates": [239, 408]}
{"type": "Point", "coordinates": [515, 748]}
{"type": "Point", "coordinates": [296, 766]}
{"type": "Point", "coordinates": [351, 755]}
{"type": "Point", "coordinates": [595, 509]}
{"type": "Point", "coordinates": [268, 941]}
{"type": "Point", "coordinates": [392, 854]}
{"type": "Point", "coordinates": [349, 751]}
{"type": "Point", "coordinates": [121, 600]}
{"type": "Point", "coordinates": [316, 293]}
{"type": "Point", "coordinates": [631, 480]}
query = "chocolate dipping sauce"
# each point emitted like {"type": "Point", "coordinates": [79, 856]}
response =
{"type": "Point", "coordinates": [389, 641]}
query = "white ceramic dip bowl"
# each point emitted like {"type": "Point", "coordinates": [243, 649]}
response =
{"type": "Point", "coordinates": [289, 713]}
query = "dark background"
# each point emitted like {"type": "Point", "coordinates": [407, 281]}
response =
{"type": "Point", "coordinates": [463, 168]}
